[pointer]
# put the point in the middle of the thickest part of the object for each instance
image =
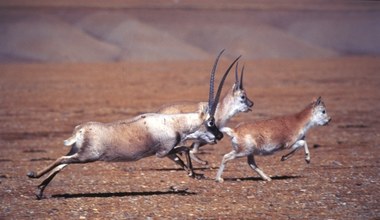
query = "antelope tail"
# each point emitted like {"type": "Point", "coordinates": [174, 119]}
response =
{"type": "Point", "coordinates": [70, 141]}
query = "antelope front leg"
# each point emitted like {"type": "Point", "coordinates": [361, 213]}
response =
{"type": "Point", "coordinates": [227, 157]}
{"type": "Point", "coordinates": [197, 159]}
{"type": "Point", "coordinates": [307, 153]}
{"type": "Point", "coordinates": [295, 147]}
{"type": "Point", "coordinates": [193, 151]}
{"type": "Point", "coordinates": [189, 167]}
{"type": "Point", "coordinates": [177, 160]}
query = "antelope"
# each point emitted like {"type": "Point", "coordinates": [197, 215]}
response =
{"type": "Point", "coordinates": [269, 136]}
{"type": "Point", "coordinates": [232, 103]}
{"type": "Point", "coordinates": [133, 139]}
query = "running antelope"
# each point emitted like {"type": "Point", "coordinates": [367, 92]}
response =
{"type": "Point", "coordinates": [130, 140]}
{"type": "Point", "coordinates": [232, 103]}
{"type": "Point", "coordinates": [269, 136]}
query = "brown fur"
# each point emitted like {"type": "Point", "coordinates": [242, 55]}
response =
{"type": "Point", "coordinates": [269, 136]}
{"type": "Point", "coordinates": [283, 130]}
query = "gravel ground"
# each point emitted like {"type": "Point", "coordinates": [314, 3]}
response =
{"type": "Point", "coordinates": [41, 104]}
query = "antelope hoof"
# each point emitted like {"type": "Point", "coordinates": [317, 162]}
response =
{"type": "Point", "coordinates": [283, 158]}
{"type": "Point", "coordinates": [198, 176]}
{"type": "Point", "coordinates": [307, 158]}
{"type": "Point", "coordinates": [39, 197]}
{"type": "Point", "coordinates": [267, 178]}
{"type": "Point", "coordinates": [203, 162]}
{"type": "Point", "coordinates": [220, 180]}
{"type": "Point", "coordinates": [31, 174]}
{"type": "Point", "coordinates": [39, 194]}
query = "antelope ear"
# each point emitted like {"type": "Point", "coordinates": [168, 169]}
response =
{"type": "Point", "coordinates": [318, 101]}
{"type": "Point", "coordinates": [202, 108]}
{"type": "Point", "coordinates": [235, 87]}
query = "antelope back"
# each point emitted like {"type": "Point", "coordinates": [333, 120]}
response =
{"type": "Point", "coordinates": [182, 107]}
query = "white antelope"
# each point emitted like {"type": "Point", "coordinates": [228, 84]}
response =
{"type": "Point", "coordinates": [269, 136]}
{"type": "Point", "coordinates": [233, 102]}
{"type": "Point", "coordinates": [130, 140]}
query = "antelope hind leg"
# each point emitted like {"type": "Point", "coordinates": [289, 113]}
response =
{"type": "Point", "coordinates": [252, 164]}
{"type": "Point", "coordinates": [43, 185]}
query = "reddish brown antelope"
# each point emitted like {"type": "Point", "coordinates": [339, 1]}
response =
{"type": "Point", "coordinates": [130, 140]}
{"type": "Point", "coordinates": [269, 136]}
{"type": "Point", "coordinates": [233, 102]}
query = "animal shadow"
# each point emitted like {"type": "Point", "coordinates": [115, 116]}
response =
{"type": "Point", "coordinates": [183, 192]}
{"type": "Point", "coordinates": [260, 179]}
{"type": "Point", "coordinates": [175, 169]}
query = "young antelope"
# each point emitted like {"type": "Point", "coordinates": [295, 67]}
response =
{"type": "Point", "coordinates": [269, 136]}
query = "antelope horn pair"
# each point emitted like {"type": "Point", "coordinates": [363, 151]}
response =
{"type": "Point", "coordinates": [212, 103]}
{"type": "Point", "coordinates": [237, 81]}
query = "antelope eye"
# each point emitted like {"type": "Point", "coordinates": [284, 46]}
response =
{"type": "Point", "coordinates": [323, 112]}
{"type": "Point", "coordinates": [242, 97]}
{"type": "Point", "coordinates": [210, 123]}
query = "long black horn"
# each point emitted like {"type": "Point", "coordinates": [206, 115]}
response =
{"type": "Point", "coordinates": [212, 78]}
{"type": "Point", "coordinates": [236, 75]}
{"type": "Point", "coordinates": [216, 100]}
{"type": "Point", "coordinates": [241, 79]}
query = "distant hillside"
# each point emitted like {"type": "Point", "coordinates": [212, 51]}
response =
{"type": "Point", "coordinates": [101, 34]}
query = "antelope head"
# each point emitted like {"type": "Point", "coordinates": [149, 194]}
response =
{"type": "Point", "coordinates": [319, 114]}
{"type": "Point", "coordinates": [213, 102]}
{"type": "Point", "coordinates": [242, 102]}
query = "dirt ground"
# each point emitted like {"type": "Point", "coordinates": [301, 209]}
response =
{"type": "Point", "coordinates": [42, 103]}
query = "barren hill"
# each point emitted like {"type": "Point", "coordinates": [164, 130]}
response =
{"type": "Point", "coordinates": [185, 31]}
